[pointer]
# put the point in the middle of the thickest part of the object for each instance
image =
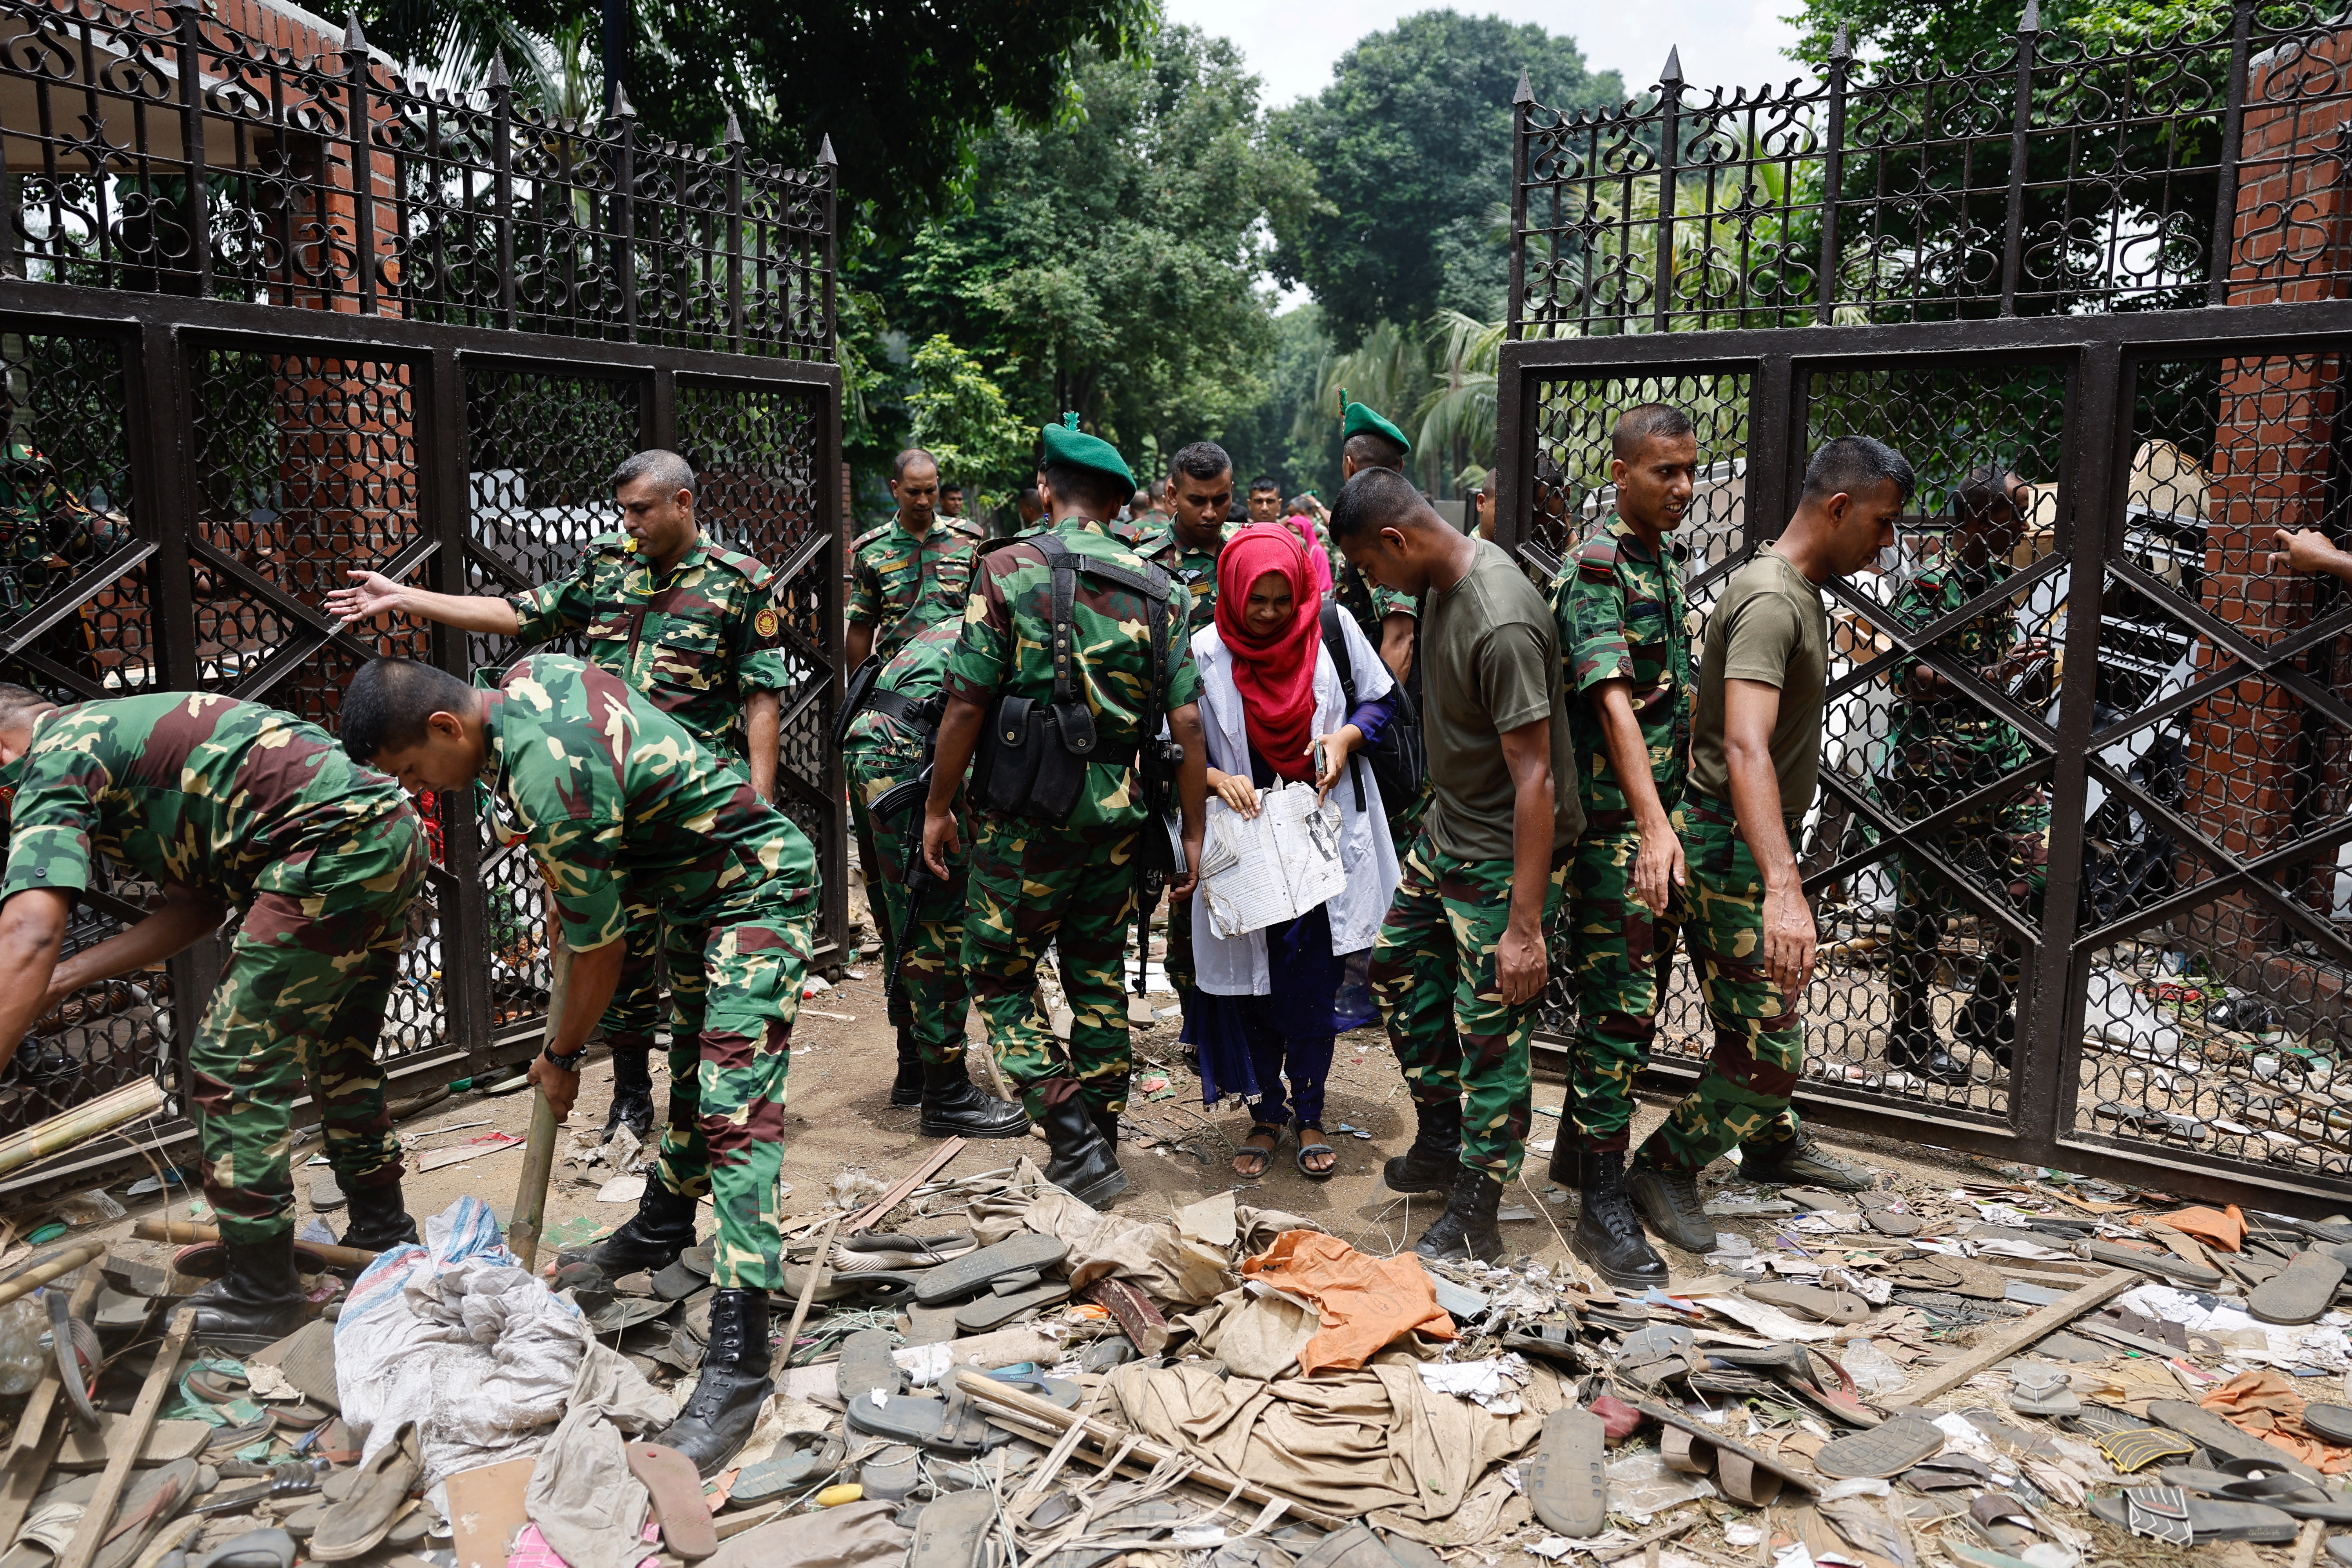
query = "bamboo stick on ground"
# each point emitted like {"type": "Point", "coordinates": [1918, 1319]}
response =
{"type": "Point", "coordinates": [107, 1112]}
{"type": "Point", "coordinates": [187, 1232]}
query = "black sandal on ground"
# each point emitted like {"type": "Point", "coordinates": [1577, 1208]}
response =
{"type": "Point", "coordinates": [1264, 1156]}
{"type": "Point", "coordinates": [1317, 1147]}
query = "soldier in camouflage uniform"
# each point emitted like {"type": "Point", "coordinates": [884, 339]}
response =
{"type": "Point", "coordinates": [48, 538]}
{"type": "Point", "coordinates": [1199, 493]}
{"type": "Point", "coordinates": [696, 627]}
{"type": "Point", "coordinates": [1386, 618]}
{"type": "Point", "coordinates": [1625, 650]}
{"type": "Point", "coordinates": [618, 803]}
{"type": "Point", "coordinates": [225, 805]}
{"type": "Point", "coordinates": [889, 745]}
{"type": "Point", "coordinates": [1754, 768]}
{"type": "Point", "coordinates": [1071, 883]}
{"type": "Point", "coordinates": [1944, 746]}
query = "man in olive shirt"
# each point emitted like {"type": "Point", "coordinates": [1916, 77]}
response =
{"type": "Point", "coordinates": [1460, 965]}
{"type": "Point", "coordinates": [1755, 761]}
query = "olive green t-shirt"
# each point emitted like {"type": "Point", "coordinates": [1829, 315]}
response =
{"type": "Point", "coordinates": [1489, 655]}
{"type": "Point", "coordinates": [1770, 625]}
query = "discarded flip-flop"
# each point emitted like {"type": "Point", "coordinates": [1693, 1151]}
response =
{"type": "Point", "coordinates": [2205, 1428]}
{"type": "Point", "coordinates": [883, 1285]}
{"type": "Point", "coordinates": [1730, 1453]}
{"type": "Point", "coordinates": [2170, 1515]}
{"type": "Point", "coordinates": [1948, 1472]}
{"type": "Point", "coordinates": [2164, 1265]}
{"type": "Point", "coordinates": [1798, 1369]}
{"type": "Point", "coordinates": [949, 1426]}
{"type": "Point", "coordinates": [2301, 1292]}
{"type": "Point", "coordinates": [1556, 1341]}
{"type": "Point", "coordinates": [625, 1312]}
{"type": "Point", "coordinates": [1696, 1454]}
{"type": "Point", "coordinates": [254, 1549]}
{"type": "Point", "coordinates": [1566, 1481]}
{"type": "Point", "coordinates": [1890, 1222]}
{"type": "Point", "coordinates": [2331, 1422]}
{"type": "Point", "coordinates": [994, 1309]}
{"type": "Point", "coordinates": [2133, 1449]}
{"type": "Point", "coordinates": [357, 1525]}
{"type": "Point", "coordinates": [799, 1460]}
{"type": "Point", "coordinates": [2339, 1547]}
{"type": "Point", "coordinates": [866, 1364]}
{"type": "Point", "coordinates": [676, 1489]}
{"type": "Point", "coordinates": [2037, 1388]}
{"type": "Point", "coordinates": [1813, 1302]}
{"type": "Point", "coordinates": [1887, 1449]}
{"type": "Point", "coordinates": [702, 1258]}
{"type": "Point", "coordinates": [677, 1282]}
{"type": "Point", "coordinates": [973, 1271]}
{"type": "Point", "coordinates": [950, 1530]}
{"type": "Point", "coordinates": [152, 1499]}
{"type": "Point", "coordinates": [861, 1254]}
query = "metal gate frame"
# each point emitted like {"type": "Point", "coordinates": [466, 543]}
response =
{"type": "Point", "coordinates": [2101, 355]}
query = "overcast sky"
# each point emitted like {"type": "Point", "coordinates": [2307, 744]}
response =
{"type": "Point", "coordinates": [1292, 43]}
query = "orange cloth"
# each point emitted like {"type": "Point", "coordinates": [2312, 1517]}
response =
{"type": "Point", "coordinates": [2265, 1403]}
{"type": "Point", "coordinates": [2216, 1227]}
{"type": "Point", "coordinates": [1367, 1303]}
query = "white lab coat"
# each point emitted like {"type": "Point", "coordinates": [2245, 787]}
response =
{"type": "Point", "coordinates": [1236, 966]}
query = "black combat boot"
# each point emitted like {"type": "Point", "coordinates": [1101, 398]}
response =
{"type": "Point", "coordinates": [734, 1384]}
{"type": "Point", "coordinates": [379, 1219]}
{"type": "Point", "coordinates": [1083, 1166]}
{"type": "Point", "coordinates": [954, 1107]}
{"type": "Point", "coordinates": [1468, 1228]}
{"type": "Point", "coordinates": [1913, 1046]}
{"type": "Point", "coordinates": [661, 1227]}
{"type": "Point", "coordinates": [633, 1086]}
{"type": "Point", "coordinates": [1669, 1201]}
{"type": "Point", "coordinates": [1987, 1024]}
{"type": "Point", "coordinates": [1106, 1123]}
{"type": "Point", "coordinates": [1609, 1232]}
{"type": "Point", "coordinates": [256, 1301]}
{"type": "Point", "coordinates": [1432, 1163]}
{"type": "Point", "coordinates": [906, 1089]}
{"type": "Point", "coordinates": [1799, 1162]}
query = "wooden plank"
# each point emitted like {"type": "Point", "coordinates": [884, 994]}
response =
{"type": "Point", "coordinates": [99, 1516]}
{"type": "Point", "coordinates": [29, 1470]}
{"type": "Point", "coordinates": [871, 1215]}
{"type": "Point", "coordinates": [995, 1397]}
{"type": "Point", "coordinates": [2017, 1336]}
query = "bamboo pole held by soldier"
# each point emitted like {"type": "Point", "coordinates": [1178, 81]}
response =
{"type": "Point", "coordinates": [539, 1155]}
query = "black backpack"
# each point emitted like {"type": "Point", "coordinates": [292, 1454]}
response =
{"type": "Point", "coordinates": [1399, 759]}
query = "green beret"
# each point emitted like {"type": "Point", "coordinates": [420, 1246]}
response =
{"type": "Point", "coordinates": [1355, 419]}
{"type": "Point", "coordinates": [1065, 443]}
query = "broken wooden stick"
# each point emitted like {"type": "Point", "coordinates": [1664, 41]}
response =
{"type": "Point", "coordinates": [2025, 1332]}
{"type": "Point", "coordinates": [157, 1227]}
{"type": "Point", "coordinates": [873, 1213]}
{"type": "Point", "coordinates": [56, 1267]}
{"type": "Point", "coordinates": [98, 1517]}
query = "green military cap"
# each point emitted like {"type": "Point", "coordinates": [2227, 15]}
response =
{"type": "Point", "coordinates": [1065, 443]}
{"type": "Point", "coordinates": [1355, 419]}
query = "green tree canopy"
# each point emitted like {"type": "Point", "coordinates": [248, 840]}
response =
{"type": "Point", "coordinates": [1410, 146]}
{"type": "Point", "coordinates": [906, 92]}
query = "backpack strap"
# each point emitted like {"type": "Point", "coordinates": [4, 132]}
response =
{"type": "Point", "coordinates": [1335, 642]}
{"type": "Point", "coordinates": [1077, 720]}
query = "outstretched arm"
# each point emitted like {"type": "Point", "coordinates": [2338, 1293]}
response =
{"type": "Point", "coordinates": [373, 594]}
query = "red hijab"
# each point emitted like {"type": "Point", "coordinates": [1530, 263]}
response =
{"type": "Point", "coordinates": [1275, 675]}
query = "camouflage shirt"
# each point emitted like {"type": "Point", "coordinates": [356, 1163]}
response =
{"type": "Point", "coordinates": [918, 672]}
{"type": "Point", "coordinates": [1005, 648]}
{"type": "Point", "coordinates": [1954, 718]}
{"type": "Point", "coordinates": [1195, 568]}
{"type": "Point", "coordinates": [900, 584]}
{"type": "Point", "coordinates": [698, 642]}
{"type": "Point", "coordinates": [225, 797]}
{"type": "Point", "coordinates": [1622, 617]}
{"type": "Point", "coordinates": [621, 806]}
{"type": "Point", "coordinates": [47, 533]}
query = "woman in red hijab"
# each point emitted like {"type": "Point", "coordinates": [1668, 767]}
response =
{"type": "Point", "coordinates": [1275, 715]}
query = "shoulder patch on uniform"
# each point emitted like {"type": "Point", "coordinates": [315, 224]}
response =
{"type": "Point", "coordinates": [750, 566]}
{"type": "Point", "coordinates": [869, 536]}
{"type": "Point", "coordinates": [615, 543]}
{"type": "Point", "coordinates": [765, 624]}
{"type": "Point", "coordinates": [1596, 558]}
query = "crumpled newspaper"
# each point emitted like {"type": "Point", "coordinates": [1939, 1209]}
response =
{"type": "Point", "coordinates": [1492, 1383]}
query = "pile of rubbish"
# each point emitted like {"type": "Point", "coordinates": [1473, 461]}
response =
{"type": "Point", "coordinates": [2005, 1368]}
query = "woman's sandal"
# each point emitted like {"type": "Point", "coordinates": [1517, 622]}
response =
{"type": "Point", "coordinates": [1317, 1147]}
{"type": "Point", "coordinates": [1264, 1156]}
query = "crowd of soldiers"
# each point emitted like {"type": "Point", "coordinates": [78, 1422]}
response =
{"type": "Point", "coordinates": [1021, 737]}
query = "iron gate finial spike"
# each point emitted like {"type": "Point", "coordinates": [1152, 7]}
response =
{"type": "Point", "coordinates": [825, 158]}
{"type": "Point", "coordinates": [499, 77]}
{"type": "Point", "coordinates": [734, 137]}
{"type": "Point", "coordinates": [622, 108]}
{"type": "Point", "coordinates": [2032, 21]}
{"type": "Point", "coordinates": [1672, 74]}
{"type": "Point", "coordinates": [1841, 45]}
{"type": "Point", "coordinates": [1525, 92]}
{"type": "Point", "coordinates": [353, 37]}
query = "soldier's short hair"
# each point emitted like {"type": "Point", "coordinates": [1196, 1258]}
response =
{"type": "Point", "coordinates": [1850, 464]}
{"type": "Point", "coordinates": [950, 487]}
{"type": "Point", "coordinates": [1158, 490]}
{"type": "Point", "coordinates": [1201, 460]}
{"type": "Point", "coordinates": [1647, 422]}
{"type": "Point", "coordinates": [1377, 499]}
{"type": "Point", "coordinates": [1984, 492]}
{"type": "Point", "coordinates": [16, 701]}
{"type": "Point", "coordinates": [1100, 493]}
{"type": "Point", "coordinates": [388, 701]}
{"type": "Point", "coordinates": [1265, 482]}
{"type": "Point", "coordinates": [898, 464]}
{"type": "Point", "coordinates": [666, 469]}
{"type": "Point", "coordinates": [1373, 450]}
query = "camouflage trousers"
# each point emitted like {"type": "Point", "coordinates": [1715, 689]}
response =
{"type": "Point", "coordinates": [735, 989]}
{"type": "Point", "coordinates": [1433, 970]}
{"type": "Point", "coordinates": [1618, 955]}
{"type": "Point", "coordinates": [931, 991]}
{"type": "Point", "coordinates": [1760, 1041]}
{"type": "Point", "coordinates": [871, 854]}
{"type": "Point", "coordinates": [635, 1012]}
{"type": "Point", "coordinates": [2007, 849]}
{"type": "Point", "coordinates": [1032, 885]}
{"type": "Point", "coordinates": [300, 1003]}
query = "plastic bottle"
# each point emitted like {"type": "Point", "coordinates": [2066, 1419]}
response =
{"type": "Point", "coordinates": [23, 1351]}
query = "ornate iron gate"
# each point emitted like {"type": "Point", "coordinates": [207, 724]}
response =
{"type": "Point", "coordinates": [2122, 278]}
{"type": "Point", "coordinates": [270, 314]}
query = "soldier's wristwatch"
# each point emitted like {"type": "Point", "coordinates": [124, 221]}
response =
{"type": "Point", "coordinates": [570, 1062]}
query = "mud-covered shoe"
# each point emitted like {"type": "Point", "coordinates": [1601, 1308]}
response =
{"type": "Point", "coordinates": [1669, 1203]}
{"type": "Point", "coordinates": [1799, 1161]}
